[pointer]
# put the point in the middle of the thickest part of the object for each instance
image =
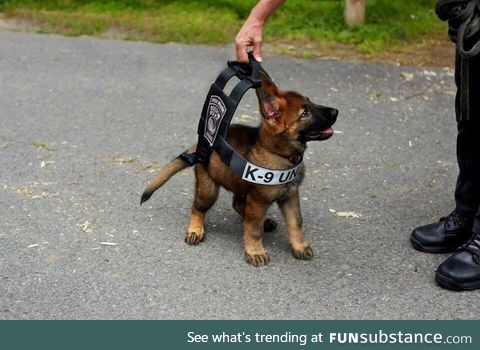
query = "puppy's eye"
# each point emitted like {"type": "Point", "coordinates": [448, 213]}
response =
{"type": "Point", "coordinates": [305, 113]}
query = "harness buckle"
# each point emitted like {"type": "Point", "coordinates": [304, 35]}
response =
{"type": "Point", "coordinates": [191, 158]}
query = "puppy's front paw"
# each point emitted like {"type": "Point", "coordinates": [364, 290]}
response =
{"type": "Point", "coordinates": [257, 259]}
{"type": "Point", "coordinates": [269, 225]}
{"type": "Point", "coordinates": [194, 238]}
{"type": "Point", "coordinates": [305, 253]}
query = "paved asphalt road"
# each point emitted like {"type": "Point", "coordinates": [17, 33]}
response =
{"type": "Point", "coordinates": [86, 122]}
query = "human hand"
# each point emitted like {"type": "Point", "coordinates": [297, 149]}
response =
{"type": "Point", "coordinates": [250, 35]}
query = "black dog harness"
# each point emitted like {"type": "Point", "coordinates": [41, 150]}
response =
{"type": "Point", "coordinates": [217, 114]}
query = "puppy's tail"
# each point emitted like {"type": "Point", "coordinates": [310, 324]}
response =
{"type": "Point", "coordinates": [163, 176]}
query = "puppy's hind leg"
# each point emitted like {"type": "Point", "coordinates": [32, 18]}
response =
{"type": "Point", "coordinates": [206, 194]}
{"type": "Point", "coordinates": [238, 204]}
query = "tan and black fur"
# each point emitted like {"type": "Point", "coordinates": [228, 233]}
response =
{"type": "Point", "coordinates": [289, 121]}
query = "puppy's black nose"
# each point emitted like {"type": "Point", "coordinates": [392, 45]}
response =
{"type": "Point", "coordinates": [333, 114]}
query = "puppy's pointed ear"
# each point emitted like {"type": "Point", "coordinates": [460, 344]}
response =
{"type": "Point", "coordinates": [268, 98]}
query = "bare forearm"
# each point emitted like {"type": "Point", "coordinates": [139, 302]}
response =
{"type": "Point", "coordinates": [251, 34]}
{"type": "Point", "coordinates": [265, 8]}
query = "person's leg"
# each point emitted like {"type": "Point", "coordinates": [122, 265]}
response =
{"type": "Point", "coordinates": [467, 192]}
{"type": "Point", "coordinates": [461, 271]}
{"type": "Point", "coordinates": [449, 233]}
{"type": "Point", "coordinates": [476, 223]}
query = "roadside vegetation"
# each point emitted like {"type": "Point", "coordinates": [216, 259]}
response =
{"type": "Point", "coordinates": [304, 28]}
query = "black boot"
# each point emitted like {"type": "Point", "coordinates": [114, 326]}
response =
{"type": "Point", "coordinates": [444, 236]}
{"type": "Point", "coordinates": [461, 271]}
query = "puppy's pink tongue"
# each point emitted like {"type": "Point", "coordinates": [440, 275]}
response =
{"type": "Point", "coordinates": [328, 131]}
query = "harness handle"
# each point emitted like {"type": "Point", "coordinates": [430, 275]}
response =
{"type": "Point", "coordinates": [248, 71]}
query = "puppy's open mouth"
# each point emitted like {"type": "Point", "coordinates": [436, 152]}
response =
{"type": "Point", "coordinates": [319, 135]}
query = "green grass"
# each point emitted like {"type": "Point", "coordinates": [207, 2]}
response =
{"type": "Point", "coordinates": [388, 22]}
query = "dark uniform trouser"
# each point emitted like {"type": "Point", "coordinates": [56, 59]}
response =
{"type": "Point", "coordinates": [467, 193]}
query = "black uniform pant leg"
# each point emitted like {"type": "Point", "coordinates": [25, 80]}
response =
{"type": "Point", "coordinates": [476, 118]}
{"type": "Point", "coordinates": [467, 193]}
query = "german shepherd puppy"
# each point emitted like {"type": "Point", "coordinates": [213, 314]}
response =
{"type": "Point", "coordinates": [289, 121]}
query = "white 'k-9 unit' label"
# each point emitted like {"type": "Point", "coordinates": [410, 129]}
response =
{"type": "Point", "coordinates": [263, 176]}
{"type": "Point", "coordinates": [215, 113]}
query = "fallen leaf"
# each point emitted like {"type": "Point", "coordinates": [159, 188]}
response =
{"type": "Point", "coordinates": [39, 144]}
{"type": "Point", "coordinates": [86, 227]}
{"type": "Point", "coordinates": [43, 163]}
{"type": "Point", "coordinates": [429, 73]}
{"type": "Point", "coordinates": [43, 195]}
{"type": "Point", "coordinates": [108, 243]}
{"type": "Point", "coordinates": [123, 160]}
{"type": "Point", "coordinates": [407, 76]}
{"type": "Point", "coordinates": [348, 214]}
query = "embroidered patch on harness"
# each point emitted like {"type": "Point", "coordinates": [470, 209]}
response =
{"type": "Point", "coordinates": [215, 113]}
